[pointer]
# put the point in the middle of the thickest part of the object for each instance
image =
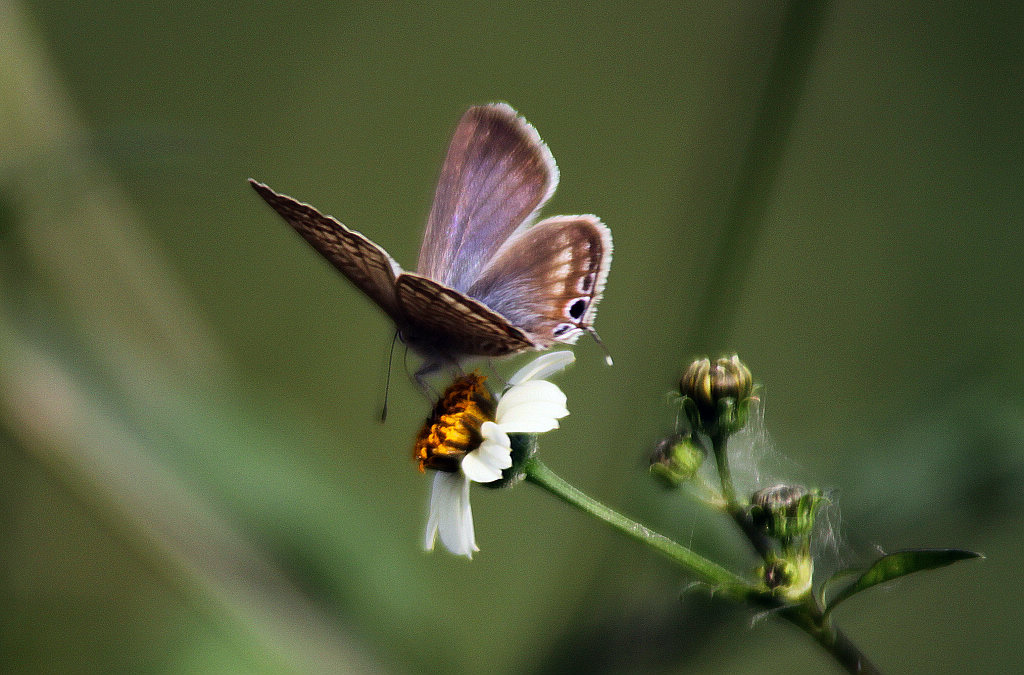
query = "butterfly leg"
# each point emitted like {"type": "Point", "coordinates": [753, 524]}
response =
{"type": "Point", "coordinates": [428, 367]}
{"type": "Point", "coordinates": [435, 364]}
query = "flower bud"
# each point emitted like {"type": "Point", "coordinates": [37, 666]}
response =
{"type": "Point", "coordinates": [716, 396]}
{"type": "Point", "coordinates": [676, 460]}
{"type": "Point", "coordinates": [785, 512]}
{"type": "Point", "coordinates": [788, 578]}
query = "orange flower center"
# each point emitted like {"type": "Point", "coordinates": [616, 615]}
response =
{"type": "Point", "coordinates": [453, 428]}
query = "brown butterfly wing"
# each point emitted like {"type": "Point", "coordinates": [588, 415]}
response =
{"type": "Point", "coordinates": [497, 173]}
{"type": "Point", "coordinates": [548, 279]}
{"type": "Point", "coordinates": [441, 322]}
{"type": "Point", "coordinates": [366, 265]}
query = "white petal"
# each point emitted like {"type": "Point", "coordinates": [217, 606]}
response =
{"type": "Point", "coordinates": [532, 391]}
{"type": "Point", "coordinates": [450, 515]}
{"type": "Point", "coordinates": [542, 367]}
{"type": "Point", "coordinates": [485, 464]}
{"type": "Point", "coordinates": [531, 407]}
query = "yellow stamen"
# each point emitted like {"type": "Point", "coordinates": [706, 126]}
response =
{"type": "Point", "coordinates": [453, 428]}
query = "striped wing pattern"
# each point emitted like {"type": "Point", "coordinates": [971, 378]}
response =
{"type": "Point", "coordinates": [365, 264]}
{"type": "Point", "coordinates": [434, 311]}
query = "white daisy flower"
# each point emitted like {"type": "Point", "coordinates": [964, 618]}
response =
{"type": "Point", "coordinates": [467, 440]}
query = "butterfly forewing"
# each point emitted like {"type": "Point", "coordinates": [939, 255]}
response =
{"type": "Point", "coordinates": [497, 173]}
{"type": "Point", "coordinates": [367, 265]}
{"type": "Point", "coordinates": [467, 327]}
{"type": "Point", "coordinates": [548, 279]}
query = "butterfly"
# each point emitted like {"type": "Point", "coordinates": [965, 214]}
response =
{"type": "Point", "coordinates": [489, 282]}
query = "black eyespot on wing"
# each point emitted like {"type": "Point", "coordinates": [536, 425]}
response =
{"type": "Point", "coordinates": [577, 308]}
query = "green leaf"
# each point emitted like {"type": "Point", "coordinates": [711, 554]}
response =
{"type": "Point", "coordinates": [900, 564]}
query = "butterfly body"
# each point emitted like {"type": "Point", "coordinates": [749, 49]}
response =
{"type": "Point", "coordinates": [489, 282]}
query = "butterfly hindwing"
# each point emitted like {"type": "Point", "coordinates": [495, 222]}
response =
{"type": "Point", "coordinates": [497, 173]}
{"type": "Point", "coordinates": [366, 264]}
{"type": "Point", "coordinates": [467, 326]}
{"type": "Point", "coordinates": [547, 280]}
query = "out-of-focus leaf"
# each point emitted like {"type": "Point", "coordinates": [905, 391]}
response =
{"type": "Point", "coordinates": [900, 564]}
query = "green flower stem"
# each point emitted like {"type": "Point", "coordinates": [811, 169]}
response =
{"type": "Point", "coordinates": [709, 572]}
{"type": "Point", "coordinates": [806, 615]}
{"type": "Point", "coordinates": [809, 617]}
{"type": "Point", "coordinates": [720, 446]}
{"type": "Point", "coordinates": [719, 443]}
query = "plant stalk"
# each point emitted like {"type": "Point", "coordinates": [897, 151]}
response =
{"type": "Point", "coordinates": [807, 615]}
{"type": "Point", "coordinates": [707, 571]}
{"type": "Point", "coordinates": [720, 444]}
{"type": "Point", "coordinates": [809, 618]}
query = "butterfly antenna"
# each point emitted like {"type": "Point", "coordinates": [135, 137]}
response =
{"type": "Point", "coordinates": [387, 382]}
{"type": "Point", "coordinates": [600, 343]}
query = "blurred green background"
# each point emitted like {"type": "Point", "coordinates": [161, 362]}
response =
{"type": "Point", "coordinates": [193, 475]}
